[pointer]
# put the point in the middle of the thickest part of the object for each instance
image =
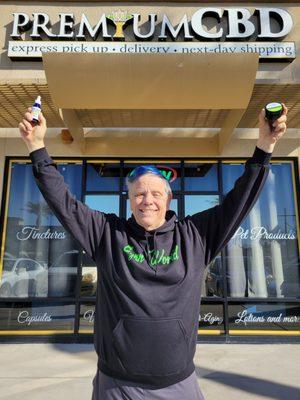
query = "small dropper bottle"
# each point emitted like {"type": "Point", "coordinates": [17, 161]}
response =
{"type": "Point", "coordinates": [36, 109]}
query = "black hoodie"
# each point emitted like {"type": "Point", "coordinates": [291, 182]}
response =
{"type": "Point", "coordinates": [149, 282]}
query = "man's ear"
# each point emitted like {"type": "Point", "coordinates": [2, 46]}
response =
{"type": "Point", "coordinates": [129, 198]}
{"type": "Point", "coordinates": [170, 197]}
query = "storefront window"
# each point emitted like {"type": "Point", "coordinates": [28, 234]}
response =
{"type": "Point", "coordinates": [211, 318]}
{"type": "Point", "coordinates": [62, 274]}
{"type": "Point", "coordinates": [37, 316]}
{"type": "Point", "coordinates": [89, 277]}
{"type": "Point", "coordinates": [42, 264]}
{"type": "Point", "coordinates": [87, 318]}
{"type": "Point", "coordinates": [40, 258]}
{"type": "Point", "coordinates": [262, 257]}
{"type": "Point", "coordinates": [107, 203]}
{"type": "Point", "coordinates": [269, 316]}
{"type": "Point", "coordinates": [197, 203]}
{"type": "Point", "coordinates": [214, 278]}
{"type": "Point", "coordinates": [200, 177]}
{"type": "Point", "coordinates": [103, 177]}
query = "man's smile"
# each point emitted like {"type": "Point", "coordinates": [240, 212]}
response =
{"type": "Point", "coordinates": [148, 211]}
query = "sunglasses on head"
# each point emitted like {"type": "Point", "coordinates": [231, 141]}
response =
{"type": "Point", "coordinates": [167, 173]}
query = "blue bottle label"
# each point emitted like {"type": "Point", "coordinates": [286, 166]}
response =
{"type": "Point", "coordinates": [35, 113]}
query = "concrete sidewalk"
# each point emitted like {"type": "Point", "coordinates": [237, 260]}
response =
{"type": "Point", "coordinates": [225, 371]}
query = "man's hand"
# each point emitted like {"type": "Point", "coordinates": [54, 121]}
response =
{"type": "Point", "coordinates": [33, 135]}
{"type": "Point", "coordinates": [267, 138]}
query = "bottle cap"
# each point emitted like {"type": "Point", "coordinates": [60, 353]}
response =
{"type": "Point", "coordinates": [274, 107]}
{"type": "Point", "coordinates": [273, 111]}
{"type": "Point", "coordinates": [38, 100]}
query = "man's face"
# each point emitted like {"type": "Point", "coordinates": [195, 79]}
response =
{"type": "Point", "coordinates": [149, 201]}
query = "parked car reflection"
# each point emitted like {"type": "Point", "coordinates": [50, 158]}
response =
{"type": "Point", "coordinates": [214, 279]}
{"type": "Point", "coordinates": [89, 277]}
{"type": "Point", "coordinates": [23, 277]}
{"type": "Point", "coordinates": [62, 275]}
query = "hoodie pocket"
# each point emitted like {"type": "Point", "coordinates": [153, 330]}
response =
{"type": "Point", "coordinates": [151, 346]}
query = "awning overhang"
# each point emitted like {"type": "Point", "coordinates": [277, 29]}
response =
{"type": "Point", "coordinates": [145, 83]}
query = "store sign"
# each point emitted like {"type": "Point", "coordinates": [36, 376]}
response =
{"type": "Point", "coordinates": [25, 318]}
{"type": "Point", "coordinates": [169, 173]}
{"type": "Point", "coordinates": [264, 49]}
{"type": "Point", "coordinates": [89, 316]}
{"type": "Point", "coordinates": [246, 318]}
{"type": "Point", "coordinates": [260, 232]}
{"type": "Point", "coordinates": [211, 318]}
{"type": "Point", "coordinates": [29, 232]}
{"type": "Point", "coordinates": [240, 24]}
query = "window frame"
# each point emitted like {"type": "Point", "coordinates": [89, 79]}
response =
{"type": "Point", "coordinates": [123, 194]}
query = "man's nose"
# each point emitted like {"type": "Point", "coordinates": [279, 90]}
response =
{"type": "Point", "coordinates": [148, 198]}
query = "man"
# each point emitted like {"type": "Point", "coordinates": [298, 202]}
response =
{"type": "Point", "coordinates": [151, 269]}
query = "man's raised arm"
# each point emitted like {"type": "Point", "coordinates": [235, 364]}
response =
{"type": "Point", "coordinates": [84, 224]}
{"type": "Point", "coordinates": [217, 225]}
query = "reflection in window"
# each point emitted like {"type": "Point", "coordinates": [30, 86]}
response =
{"type": "Point", "coordinates": [211, 317]}
{"type": "Point", "coordinates": [35, 316]}
{"type": "Point", "coordinates": [62, 274]}
{"type": "Point", "coordinates": [262, 257]}
{"type": "Point", "coordinates": [88, 286]}
{"type": "Point", "coordinates": [273, 316]}
{"type": "Point", "coordinates": [197, 203]}
{"type": "Point", "coordinates": [202, 177]}
{"type": "Point", "coordinates": [103, 176]}
{"type": "Point", "coordinates": [34, 238]}
{"type": "Point", "coordinates": [87, 318]}
{"type": "Point", "coordinates": [107, 203]}
{"type": "Point", "coordinates": [23, 277]}
{"type": "Point", "coordinates": [214, 280]}
{"type": "Point", "coordinates": [88, 276]}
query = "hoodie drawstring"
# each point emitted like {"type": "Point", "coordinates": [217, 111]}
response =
{"type": "Point", "coordinates": [150, 249]}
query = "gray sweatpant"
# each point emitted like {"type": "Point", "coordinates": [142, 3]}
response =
{"type": "Point", "coordinates": [107, 388]}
